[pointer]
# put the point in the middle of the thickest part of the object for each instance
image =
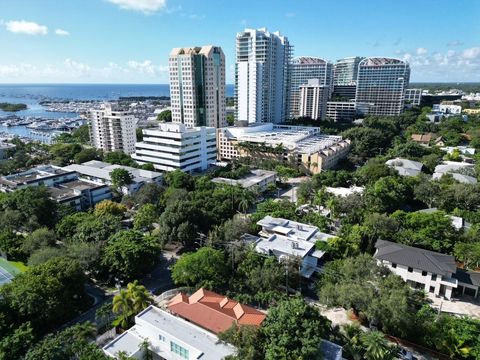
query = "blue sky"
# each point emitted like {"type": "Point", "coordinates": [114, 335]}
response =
{"type": "Point", "coordinates": [128, 41]}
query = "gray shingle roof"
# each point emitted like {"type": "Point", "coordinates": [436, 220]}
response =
{"type": "Point", "coordinates": [468, 277]}
{"type": "Point", "coordinates": [416, 258]}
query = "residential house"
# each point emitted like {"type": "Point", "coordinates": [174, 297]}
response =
{"type": "Point", "coordinates": [169, 338]}
{"type": "Point", "coordinates": [214, 312]}
{"type": "Point", "coordinates": [461, 171]}
{"type": "Point", "coordinates": [405, 167]}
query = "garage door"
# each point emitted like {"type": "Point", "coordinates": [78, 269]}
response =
{"type": "Point", "coordinates": [469, 291]}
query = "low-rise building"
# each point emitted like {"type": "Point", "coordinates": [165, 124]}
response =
{"type": "Point", "coordinates": [344, 191]}
{"type": "Point", "coordinates": [64, 185]}
{"type": "Point", "coordinates": [304, 146]}
{"type": "Point", "coordinates": [214, 312]}
{"type": "Point", "coordinates": [174, 146]}
{"type": "Point", "coordinates": [405, 167]}
{"type": "Point", "coordinates": [169, 337]}
{"type": "Point", "coordinates": [257, 178]}
{"type": "Point", "coordinates": [464, 150]}
{"type": "Point", "coordinates": [99, 172]}
{"type": "Point", "coordinates": [461, 171]}
{"type": "Point", "coordinates": [447, 109]}
{"type": "Point", "coordinates": [286, 239]}
{"type": "Point", "coordinates": [413, 96]}
{"type": "Point", "coordinates": [431, 271]}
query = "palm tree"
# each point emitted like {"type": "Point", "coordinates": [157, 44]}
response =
{"type": "Point", "coordinates": [376, 346]}
{"type": "Point", "coordinates": [85, 331]}
{"type": "Point", "coordinates": [123, 306]}
{"type": "Point", "coordinates": [246, 201]}
{"type": "Point", "coordinates": [139, 296]}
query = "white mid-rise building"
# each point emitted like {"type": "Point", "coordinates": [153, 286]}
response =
{"type": "Point", "coordinates": [112, 129]}
{"type": "Point", "coordinates": [381, 83]}
{"type": "Point", "coordinates": [197, 86]}
{"type": "Point", "coordinates": [169, 337]}
{"type": "Point", "coordinates": [313, 99]}
{"type": "Point", "coordinates": [176, 146]}
{"type": "Point", "coordinates": [261, 76]}
{"type": "Point", "coordinates": [447, 109]}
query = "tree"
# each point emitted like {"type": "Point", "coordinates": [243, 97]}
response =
{"type": "Point", "coordinates": [388, 194]}
{"type": "Point", "coordinates": [293, 330]}
{"type": "Point", "coordinates": [46, 294]}
{"type": "Point", "coordinates": [129, 254]}
{"type": "Point", "coordinates": [468, 253]}
{"type": "Point", "coordinates": [204, 268]}
{"type": "Point", "coordinates": [150, 193]}
{"type": "Point", "coordinates": [86, 227]}
{"type": "Point", "coordinates": [120, 178]}
{"type": "Point", "coordinates": [145, 217]}
{"type": "Point", "coordinates": [377, 347]}
{"type": "Point", "coordinates": [165, 116]}
{"type": "Point", "coordinates": [44, 254]}
{"type": "Point", "coordinates": [427, 192]}
{"type": "Point", "coordinates": [247, 340]}
{"type": "Point", "coordinates": [129, 302]}
{"type": "Point", "coordinates": [81, 134]}
{"type": "Point", "coordinates": [176, 223]}
{"type": "Point", "coordinates": [108, 207]}
{"type": "Point", "coordinates": [86, 253]}
{"type": "Point", "coordinates": [230, 231]}
{"type": "Point", "coordinates": [38, 239]}
{"type": "Point", "coordinates": [15, 345]}
{"type": "Point", "coordinates": [87, 155]}
{"type": "Point", "coordinates": [11, 245]}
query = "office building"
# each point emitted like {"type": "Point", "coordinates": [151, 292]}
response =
{"type": "Point", "coordinates": [413, 96]}
{"type": "Point", "coordinates": [261, 76]}
{"type": "Point", "coordinates": [345, 111]}
{"type": "Point", "coordinates": [64, 185]}
{"type": "Point", "coordinates": [313, 99]}
{"type": "Point", "coordinates": [169, 337]}
{"type": "Point", "coordinates": [99, 172]}
{"type": "Point", "coordinates": [305, 147]}
{"type": "Point", "coordinates": [176, 146]}
{"type": "Point", "coordinates": [344, 92]}
{"type": "Point", "coordinates": [345, 71]}
{"type": "Point", "coordinates": [197, 86]}
{"type": "Point", "coordinates": [112, 129]}
{"type": "Point", "coordinates": [303, 69]}
{"type": "Point", "coordinates": [382, 83]}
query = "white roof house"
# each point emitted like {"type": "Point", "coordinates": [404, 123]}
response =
{"type": "Point", "coordinates": [100, 171]}
{"type": "Point", "coordinates": [454, 168]}
{"type": "Point", "coordinates": [405, 167]}
{"type": "Point", "coordinates": [344, 191]}
{"type": "Point", "coordinates": [258, 177]}
{"type": "Point", "coordinates": [286, 238]}
{"type": "Point", "coordinates": [170, 337]}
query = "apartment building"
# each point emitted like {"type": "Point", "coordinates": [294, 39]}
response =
{"type": "Point", "coordinates": [345, 71]}
{"type": "Point", "coordinates": [345, 111]}
{"type": "Point", "coordinates": [313, 99]}
{"type": "Point", "coordinates": [261, 76]}
{"type": "Point", "coordinates": [175, 146]}
{"type": "Point", "coordinates": [306, 147]}
{"type": "Point", "coordinates": [413, 96]}
{"type": "Point", "coordinates": [197, 86]}
{"type": "Point", "coordinates": [382, 83]}
{"type": "Point", "coordinates": [112, 129]}
{"type": "Point", "coordinates": [302, 70]}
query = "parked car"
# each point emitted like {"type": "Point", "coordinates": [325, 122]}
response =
{"type": "Point", "coordinates": [405, 354]}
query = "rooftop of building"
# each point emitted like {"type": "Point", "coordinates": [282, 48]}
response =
{"type": "Point", "coordinates": [196, 50]}
{"type": "Point", "coordinates": [405, 167]}
{"type": "Point", "coordinates": [344, 191]}
{"type": "Point", "coordinates": [213, 311]}
{"type": "Point", "coordinates": [33, 175]}
{"type": "Point", "coordinates": [280, 245]}
{"type": "Point", "coordinates": [71, 189]}
{"type": "Point", "coordinates": [199, 343]}
{"type": "Point", "coordinates": [300, 138]}
{"type": "Point", "coordinates": [177, 128]}
{"type": "Point", "coordinates": [248, 181]}
{"type": "Point", "coordinates": [308, 60]}
{"type": "Point", "coordinates": [417, 258]}
{"type": "Point", "coordinates": [102, 170]}
{"type": "Point", "coordinates": [378, 61]}
{"type": "Point", "coordinates": [6, 146]}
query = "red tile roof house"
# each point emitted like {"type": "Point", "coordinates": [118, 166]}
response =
{"type": "Point", "coordinates": [214, 312]}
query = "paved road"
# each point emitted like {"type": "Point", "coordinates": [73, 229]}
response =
{"type": "Point", "coordinates": [158, 281]}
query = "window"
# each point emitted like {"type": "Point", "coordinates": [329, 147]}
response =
{"type": "Point", "coordinates": [410, 269]}
{"type": "Point", "coordinates": [424, 273]}
{"type": "Point", "coordinates": [394, 265]}
{"type": "Point", "coordinates": [179, 350]}
{"type": "Point", "coordinates": [162, 338]}
{"type": "Point", "coordinates": [434, 277]}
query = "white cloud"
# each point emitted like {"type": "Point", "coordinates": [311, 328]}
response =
{"type": "Point", "coordinates": [61, 32]}
{"type": "Point", "coordinates": [421, 51]}
{"type": "Point", "coordinates": [145, 6]}
{"type": "Point", "coordinates": [147, 67]}
{"type": "Point", "coordinates": [26, 27]}
{"type": "Point", "coordinates": [455, 43]}
{"type": "Point", "coordinates": [472, 53]}
{"type": "Point", "coordinates": [78, 68]}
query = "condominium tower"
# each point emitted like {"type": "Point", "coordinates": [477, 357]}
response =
{"type": "Point", "coordinates": [313, 99]}
{"type": "Point", "coordinates": [197, 86]}
{"type": "Point", "coordinates": [303, 69]}
{"type": "Point", "coordinates": [346, 71]}
{"type": "Point", "coordinates": [261, 76]}
{"type": "Point", "coordinates": [112, 129]}
{"type": "Point", "coordinates": [382, 83]}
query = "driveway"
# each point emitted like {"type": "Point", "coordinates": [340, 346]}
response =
{"type": "Point", "coordinates": [465, 306]}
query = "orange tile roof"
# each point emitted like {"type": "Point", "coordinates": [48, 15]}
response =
{"type": "Point", "coordinates": [214, 312]}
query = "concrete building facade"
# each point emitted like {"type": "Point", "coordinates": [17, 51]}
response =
{"type": "Point", "coordinates": [302, 70]}
{"type": "Point", "coordinates": [346, 71]}
{"type": "Point", "coordinates": [413, 96]}
{"type": "Point", "coordinates": [197, 86]}
{"type": "Point", "coordinates": [175, 146]}
{"type": "Point", "coordinates": [313, 99]}
{"type": "Point", "coordinates": [261, 76]}
{"type": "Point", "coordinates": [382, 83]}
{"type": "Point", "coordinates": [112, 129]}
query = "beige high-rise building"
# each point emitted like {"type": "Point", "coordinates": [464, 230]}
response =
{"type": "Point", "coordinates": [112, 129]}
{"type": "Point", "coordinates": [313, 99]}
{"type": "Point", "coordinates": [197, 86]}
